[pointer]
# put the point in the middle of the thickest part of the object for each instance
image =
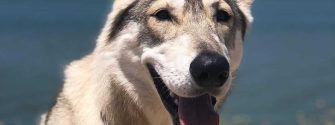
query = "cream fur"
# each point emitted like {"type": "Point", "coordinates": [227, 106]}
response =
{"type": "Point", "coordinates": [119, 85]}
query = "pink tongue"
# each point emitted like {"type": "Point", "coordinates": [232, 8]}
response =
{"type": "Point", "coordinates": [197, 111]}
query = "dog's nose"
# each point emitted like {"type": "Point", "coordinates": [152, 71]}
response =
{"type": "Point", "coordinates": [210, 69]}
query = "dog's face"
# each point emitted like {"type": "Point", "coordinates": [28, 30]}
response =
{"type": "Point", "coordinates": [192, 48]}
{"type": "Point", "coordinates": [186, 30]}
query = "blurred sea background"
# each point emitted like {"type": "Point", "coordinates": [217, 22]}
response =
{"type": "Point", "coordinates": [287, 76]}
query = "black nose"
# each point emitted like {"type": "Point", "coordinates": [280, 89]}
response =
{"type": "Point", "coordinates": [210, 69]}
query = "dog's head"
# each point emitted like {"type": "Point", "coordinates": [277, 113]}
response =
{"type": "Point", "coordinates": [191, 48]}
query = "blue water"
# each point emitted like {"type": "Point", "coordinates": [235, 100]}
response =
{"type": "Point", "coordinates": [288, 67]}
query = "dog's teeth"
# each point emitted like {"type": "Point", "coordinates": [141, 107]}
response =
{"type": "Point", "coordinates": [176, 101]}
{"type": "Point", "coordinates": [172, 95]}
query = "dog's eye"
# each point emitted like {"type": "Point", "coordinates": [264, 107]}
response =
{"type": "Point", "coordinates": [222, 16]}
{"type": "Point", "coordinates": [163, 15]}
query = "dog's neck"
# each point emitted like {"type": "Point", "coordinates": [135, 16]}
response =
{"type": "Point", "coordinates": [133, 98]}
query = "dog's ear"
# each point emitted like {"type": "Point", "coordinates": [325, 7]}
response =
{"type": "Point", "coordinates": [119, 7]}
{"type": "Point", "coordinates": [245, 7]}
{"type": "Point", "coordinates": [121, 4]}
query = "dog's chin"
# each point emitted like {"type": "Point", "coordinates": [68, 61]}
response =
{"type": "Point", "coordinates": [191, 109]}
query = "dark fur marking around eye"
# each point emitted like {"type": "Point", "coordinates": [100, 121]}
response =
{"type": "Point", "coordinates": [241, 21]}
{"type": "Point", "coordinates": [244, 23]}
{"type": "Point", "coordinates": [237, 24]}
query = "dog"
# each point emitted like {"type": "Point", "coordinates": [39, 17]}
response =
{"type": "Point", "coordinates": [156, 62]}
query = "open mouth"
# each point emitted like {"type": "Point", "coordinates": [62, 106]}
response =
{"type": "Point", "coordinates": [186, 111]}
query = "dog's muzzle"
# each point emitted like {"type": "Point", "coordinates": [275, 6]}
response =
{"type": "Point", "coordinates": [209, 71]}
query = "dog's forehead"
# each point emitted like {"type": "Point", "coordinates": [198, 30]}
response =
{"type": "Point", "coordinates": [183, 4]}
{"type": "Point", "coordinates": [209, 2]}
{"type": "Point", "coordinates": [177, 3]}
